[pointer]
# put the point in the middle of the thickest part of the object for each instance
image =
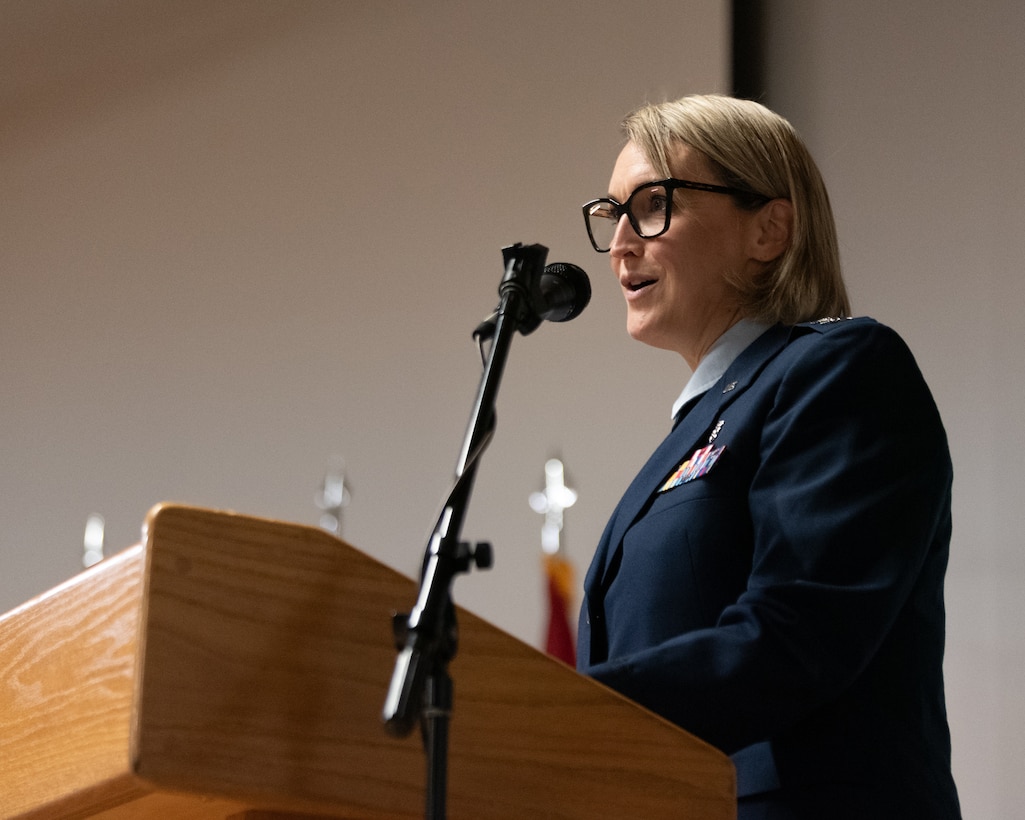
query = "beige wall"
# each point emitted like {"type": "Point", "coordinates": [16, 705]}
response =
{"type": "Point", "coordinates": [914, 110]}
{"type": "Point", "coordinates": [241, 237]}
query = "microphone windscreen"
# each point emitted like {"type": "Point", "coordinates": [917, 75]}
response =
{"type": "Point", "coordinates": [565, 292]}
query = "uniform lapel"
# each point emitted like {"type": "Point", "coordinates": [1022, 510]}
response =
{"type": "Point", "coordinates": [666, 457]}
{"type": "Point", "coordinates": [691, 433]}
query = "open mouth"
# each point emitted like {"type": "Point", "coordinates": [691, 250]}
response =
{"type": "Point", "coordinates": [636, 286]}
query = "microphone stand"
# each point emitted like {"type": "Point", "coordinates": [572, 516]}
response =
{"type": "Point", "coordinates": [426, 639]}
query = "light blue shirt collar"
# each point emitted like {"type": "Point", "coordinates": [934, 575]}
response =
{"type": "Point", "coordinates": [719, 357]}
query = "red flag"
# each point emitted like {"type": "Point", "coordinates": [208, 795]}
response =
{"type": "Point", "coordinates": [561, 643]}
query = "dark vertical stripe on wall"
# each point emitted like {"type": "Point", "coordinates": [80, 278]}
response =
{"type": "Point", "coordinates": [748, 48]}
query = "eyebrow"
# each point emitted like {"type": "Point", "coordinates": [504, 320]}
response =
{"type": "Point", "coordinates": [636, 188]}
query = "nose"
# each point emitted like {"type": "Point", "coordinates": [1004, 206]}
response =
{"type": "Point", "coordinates": [625, 239]}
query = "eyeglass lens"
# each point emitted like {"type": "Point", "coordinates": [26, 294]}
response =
{"type": "Point", "coordinates": [648, 209]}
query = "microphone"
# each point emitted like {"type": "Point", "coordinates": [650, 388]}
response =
{"type": "Point", "coordinates": [560, 294]}
{"type": "Point", "coordinates": [565, 291]}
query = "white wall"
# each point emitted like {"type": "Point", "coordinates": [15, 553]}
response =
{"type": "Point", "coordinates": [241, 237]}
{"type": "Point", "coordinates": [914, 110]}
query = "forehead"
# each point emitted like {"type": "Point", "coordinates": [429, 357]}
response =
{"type": "Point", "coordinates": [633, 168]}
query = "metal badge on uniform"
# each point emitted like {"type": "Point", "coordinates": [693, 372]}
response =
{"type": "Point", "coordinates": [694, 467]}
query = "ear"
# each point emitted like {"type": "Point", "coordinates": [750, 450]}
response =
{"type": "Point", "coordinates": [771, 230]}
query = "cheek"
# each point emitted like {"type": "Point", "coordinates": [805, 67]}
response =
{"type": "Point", "coordinates": [705, 263]}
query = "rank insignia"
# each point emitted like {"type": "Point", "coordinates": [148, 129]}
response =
{"type": "Point", "coordinates": [694, 467]}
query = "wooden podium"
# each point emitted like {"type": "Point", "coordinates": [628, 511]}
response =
{"type": "Point", "coordinates": [233, 667]}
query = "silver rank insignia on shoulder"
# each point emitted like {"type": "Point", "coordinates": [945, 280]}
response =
{"type": "Point", "coordinates": [828, 320]}
{"type": "Point", "coordinates": [699, 464]}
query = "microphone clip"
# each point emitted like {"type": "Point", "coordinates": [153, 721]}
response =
{"type": "Point", "coordinates": [555, 293]}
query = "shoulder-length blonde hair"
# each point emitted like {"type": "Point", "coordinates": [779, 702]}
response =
{"type": "Point", "coordinates": [756, 150]}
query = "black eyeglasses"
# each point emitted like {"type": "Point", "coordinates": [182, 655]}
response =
{"type": "Point", "coordinates": [648, 208]}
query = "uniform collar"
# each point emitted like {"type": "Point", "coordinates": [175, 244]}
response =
{"type": "Point", "coordinates": [719, 357]}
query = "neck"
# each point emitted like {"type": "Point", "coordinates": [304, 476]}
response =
{"type": "Point", "coordinates": [709, 335]}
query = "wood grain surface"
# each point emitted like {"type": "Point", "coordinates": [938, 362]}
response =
{"type": "Point", "coordinates": [234, 667]}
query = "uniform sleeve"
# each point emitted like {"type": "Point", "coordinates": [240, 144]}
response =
{"type": "Point", "coordinates": [851, 487]}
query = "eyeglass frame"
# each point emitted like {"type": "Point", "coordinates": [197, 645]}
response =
{"type": "Point", "coordinates": [671, 184]}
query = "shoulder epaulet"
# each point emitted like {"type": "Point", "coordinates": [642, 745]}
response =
{"type": "Point", "coordinates": [826, 324]}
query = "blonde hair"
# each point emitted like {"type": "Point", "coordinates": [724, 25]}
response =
{"type": "Point", "coordinates": [756, 150]}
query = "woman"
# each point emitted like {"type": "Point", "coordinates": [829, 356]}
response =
{"type": "Point", "coordinates": [772, 581]}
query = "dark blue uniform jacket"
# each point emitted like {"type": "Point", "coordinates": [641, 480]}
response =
{"type": "Point", "coordinates": [782, 598]}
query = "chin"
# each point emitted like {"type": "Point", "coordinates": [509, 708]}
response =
{"type": "Point", "coordinates": [646, 335]}
{"type": "Point", "coordinates": [636, 333]}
